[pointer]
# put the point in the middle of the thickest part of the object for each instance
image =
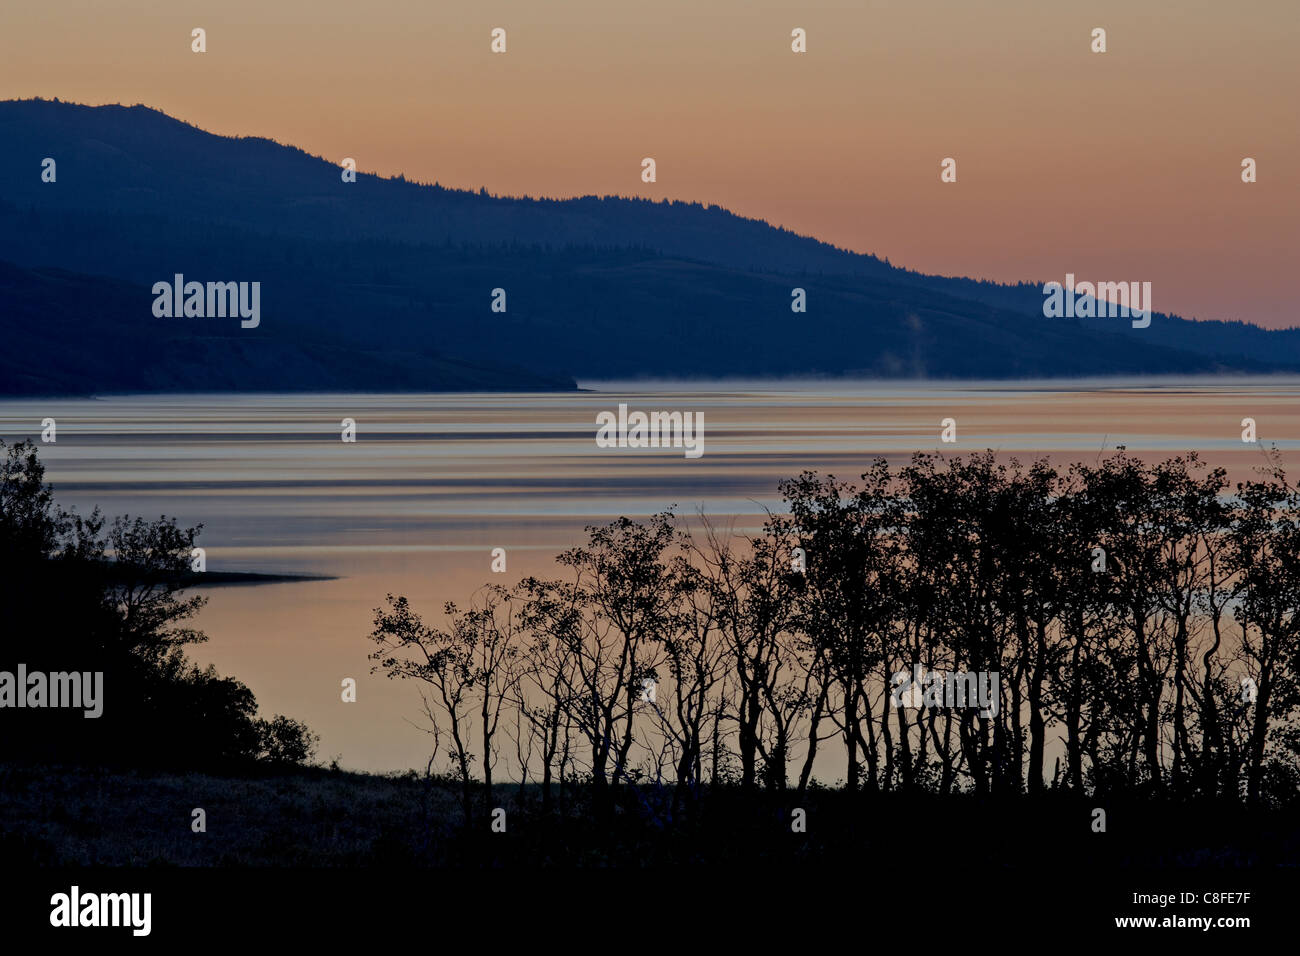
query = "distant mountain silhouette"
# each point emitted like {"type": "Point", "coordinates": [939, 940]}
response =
{"type": "Point", "coordinates": [378, 283]}
{"type": "Point", "coordinates": [71, 334]}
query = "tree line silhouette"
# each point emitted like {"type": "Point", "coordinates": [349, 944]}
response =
{"type": "Point", "coordinates": [1142, 619]}
{"type": "Point", "coordinates": [82, 594]}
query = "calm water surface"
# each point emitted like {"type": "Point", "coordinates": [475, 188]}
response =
{"type": "Point", "coordinates": [434, 482]}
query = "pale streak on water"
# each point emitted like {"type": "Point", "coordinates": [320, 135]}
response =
{"type": "Point", "coordinates": [436, 481]}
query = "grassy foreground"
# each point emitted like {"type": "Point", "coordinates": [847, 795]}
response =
{"type": "Point", "coordinates": [64, 816]}
{"type": "Point", "coordinates": [315, 817]}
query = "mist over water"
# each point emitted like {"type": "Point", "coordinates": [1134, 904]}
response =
{"type": "Point", "coordinates": [434, 482]}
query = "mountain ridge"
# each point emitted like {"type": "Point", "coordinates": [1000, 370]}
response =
{"type": "Point", "coordinates": [596, 287]}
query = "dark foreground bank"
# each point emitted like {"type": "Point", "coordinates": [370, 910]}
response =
{"type": "Point", "coordinates": [52, 816]}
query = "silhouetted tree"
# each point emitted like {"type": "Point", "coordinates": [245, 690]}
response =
{"type": "Point", "coordinates": [79, 598]}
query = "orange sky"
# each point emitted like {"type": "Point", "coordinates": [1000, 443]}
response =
{"type": "Point", "coordinates": [1123, 166]}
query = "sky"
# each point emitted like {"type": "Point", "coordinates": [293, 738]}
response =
{"type": "Point", "coordinates": [1115, 166]}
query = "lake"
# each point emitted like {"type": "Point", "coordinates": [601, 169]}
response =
{"type": "Point", "coordinates": [434, 482]}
